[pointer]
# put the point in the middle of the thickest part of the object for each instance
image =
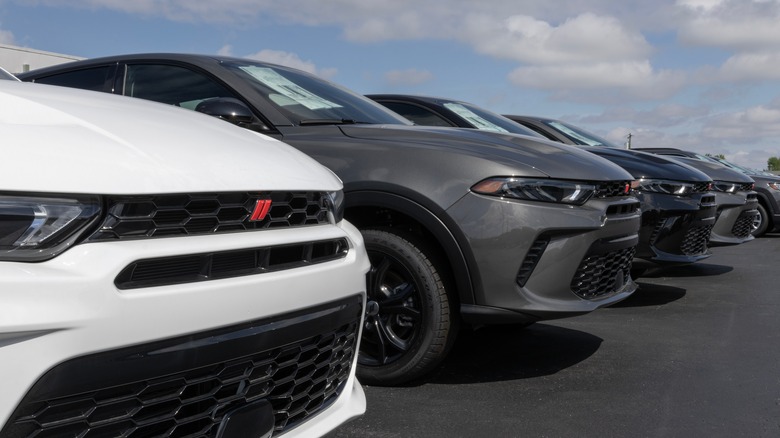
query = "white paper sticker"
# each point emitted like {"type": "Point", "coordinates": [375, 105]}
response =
{"type": "Point", "coordinates": [473, 118]}
{"type": "Point", "coordinates": [288, 89]}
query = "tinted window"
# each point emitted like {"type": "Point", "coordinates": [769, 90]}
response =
{"type": "Point", "coordinates": [307, 99]}
{"type": "Point", "coordinates": [417, 114]}
{"type": "Point", "coordinates": [171, 84]}
{"type": "Point", "coordinates": [95, 79]}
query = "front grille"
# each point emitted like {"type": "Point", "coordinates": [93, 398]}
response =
{"type": "Point", "coordinates": [626, 208]}
{"type": "Point", "coordinates": [743, 226]}
{"type": "Point", "coordinates": [530, 260]}
{"type": "Point", "coordinates": [745, 187]}
{"type": "Point", "coordinates": [611, 189]}
{"type": "Point", "coordinates": [702, 187]}
{"type": "Point", "coordinates": [184, 387]}
{"type": "Point", "coordinates": [136, 217]}
{"type": "Point", "coordinates": [603, 274]}
{"type": "Point", "coordinates": [217, 265]}
{"type": "Point", "coordinates": [695, 240]}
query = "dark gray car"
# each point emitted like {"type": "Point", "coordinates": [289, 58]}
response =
{"type": "Point", "coordinates": [678, 212]}
{"type": "Point", "coordinates": [460, 225]}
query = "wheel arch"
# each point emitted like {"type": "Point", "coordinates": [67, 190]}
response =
{"type": "Point", "coordinates": [377, 206]}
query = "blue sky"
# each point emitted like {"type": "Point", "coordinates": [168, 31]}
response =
{"type": "Point", "coordinates": [701, 75]}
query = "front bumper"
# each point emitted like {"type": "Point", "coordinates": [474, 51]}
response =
{"type": "Point", "coordinates": [533, 261]}
{"type": "Point", "coordinates": [675, 229]}
{"type": "Point", "coordinates": [736, 214]}
{"type": "Point", "coordinates": [79, 354]}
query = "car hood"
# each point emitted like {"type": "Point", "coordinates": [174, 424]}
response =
{"type": "Point", "coordinates": [651, 166]}
{"type": "Point", "coordinates": [527, 155]}
{"type": "Point", "coordinates": [57, 139]}
{"type": "Point", "coordinates": [717, 172]}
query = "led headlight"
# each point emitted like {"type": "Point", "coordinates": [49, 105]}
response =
{"type": "Point", "coordinates": [335, 203]}
{"type": "Point", "coordinates": [725, 186]}
{"type": "Point", "coordinates": [663, 186]}
{"type": "Point", "coordinates": [38, 228]}
{"type": "Point", "coordinates": [774, 185]}
{"type": "Point", "coordinates": [544, 190]}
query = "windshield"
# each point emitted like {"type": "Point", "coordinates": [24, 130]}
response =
{"type": "Point", "coordinates": [487, 121]}
{"type": "Point", "coordinates": [7, 76]}
{"type": "Point", "coordinates": [306, 99]}
{"type": "Point", "coordinates": [580, 136]}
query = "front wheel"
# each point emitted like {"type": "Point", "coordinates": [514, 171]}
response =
{"type": "Point", "coordinates": [409, 327]}
{"type": "Point", "coordinates": [760, 223]}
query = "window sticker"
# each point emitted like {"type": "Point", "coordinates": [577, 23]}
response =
{"type": "Point", "coordinates": [574, 134]}
{"type": "Point", "coordinates": [474, 119]}
{"type": "Point", "coordinates": [289, 89]}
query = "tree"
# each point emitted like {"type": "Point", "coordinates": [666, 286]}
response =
{"type": "Point", "coordinates": [773, 163]}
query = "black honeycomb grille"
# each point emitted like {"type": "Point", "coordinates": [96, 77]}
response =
{"type": "Point", "coordinates": [743, 226]}
{"type": "Point", "coordinates": [695, 240]}
{"type": "Point", "coordinates": [611, 189]}
{"type": "Point", "coordinates": [298, 379]}
{"type": "Point", "coordinates": [745, 187]}
{"type": "Point", "coordinates": [137, 217]}
{"type": "Point", "coordinates": [701, 187]}
{"type": "Point", "coordinates": [603, 274]}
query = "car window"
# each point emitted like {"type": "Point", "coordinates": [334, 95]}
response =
{"type": "Point", "coordinates": [95, 79]}
{"type": "Point", "coordinates": [308, 100]}
{"type": "Point", "coordinates": [417, 114]}
{"type": "Point", "coordinates": [171, 84]}
{"type": "Point", "coordinates": [7, 76]}
{"type": "Point", "coordinates": [580, 136]}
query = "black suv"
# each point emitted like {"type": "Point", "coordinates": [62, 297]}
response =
{"type": "Point", "coordinates": [460, 225]}
{"type": "Point", "coordinates": [767, 187]}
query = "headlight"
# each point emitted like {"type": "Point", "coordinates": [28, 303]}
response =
{"type": "Point", "coordinates": [725, 186]}
{"type": "Point", "coordinates": [36, 228]}
{"type": "Point", "coordinates": [335, 203]}
{"type": "Point", "coordinates": [663, 186]}
{"type": "Point", "coordinates": [544, 190]}
{"type": "Point", "coordinates": [774, 185]}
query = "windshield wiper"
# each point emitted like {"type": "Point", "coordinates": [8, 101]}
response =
{"type": "Point", "coordinates": [310, 122]}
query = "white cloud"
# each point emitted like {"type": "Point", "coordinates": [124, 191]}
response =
{"type": "Point", "coordinates": [751, 66]}
{"type": "Point", "coordinates": [661, 116]}
{"type": "Point", "coordinates": [410, 76]}
{"type": "Point", "coordinates": [290, 60]}
{"type": "Point", "coordinates": [736, 25]}
{"type": "Point", "coordinates": [6, 37]}
{"type": "Point", "coordinates": [614, 82]}
{"type": "Point", "coordinates": [586, 38]}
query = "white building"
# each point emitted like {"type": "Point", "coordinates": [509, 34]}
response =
{"type": "Point", "coordinates": [21, 59]}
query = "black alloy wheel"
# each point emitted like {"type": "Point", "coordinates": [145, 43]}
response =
{"type": "Point", "coordinates": [408, 327]}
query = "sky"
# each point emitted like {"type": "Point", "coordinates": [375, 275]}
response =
{"type": "Point", "coordinates": [700, 75]}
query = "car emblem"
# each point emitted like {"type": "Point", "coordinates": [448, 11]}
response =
{"type": "Point", "coordinates": [262, 206]}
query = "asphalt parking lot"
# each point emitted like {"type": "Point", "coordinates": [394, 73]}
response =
{"type": "Point", "coordinates": [695, 352]}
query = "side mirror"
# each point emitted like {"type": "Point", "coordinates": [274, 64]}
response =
{"type": "Point", "coordinates": [226, 108]}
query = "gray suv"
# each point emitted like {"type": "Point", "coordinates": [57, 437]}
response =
{"type": "Point", "coordinates": [461, 226]}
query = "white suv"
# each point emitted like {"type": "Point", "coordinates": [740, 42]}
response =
{"type": "Point", "coordinates": [163, 273]}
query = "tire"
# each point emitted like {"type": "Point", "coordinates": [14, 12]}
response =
{"type": "Point", "coordinates": [409, 326]}
{"type": "Point", "coordinates": [761, 223]}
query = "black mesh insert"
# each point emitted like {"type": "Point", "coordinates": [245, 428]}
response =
{"type": "Point", "coordinates": [603, 274]}
{"type": "Point", "coordinates": [695, 240]}
{"type": "Point", "coordinates": [212, 266]}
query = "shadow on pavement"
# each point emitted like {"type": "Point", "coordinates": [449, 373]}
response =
{"type": "Point", "coordinates": [501, 352]}
{"type": "Point", "coordinates": [693, 270]}
{"type": "Point", "coordinates": [650, 294]}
